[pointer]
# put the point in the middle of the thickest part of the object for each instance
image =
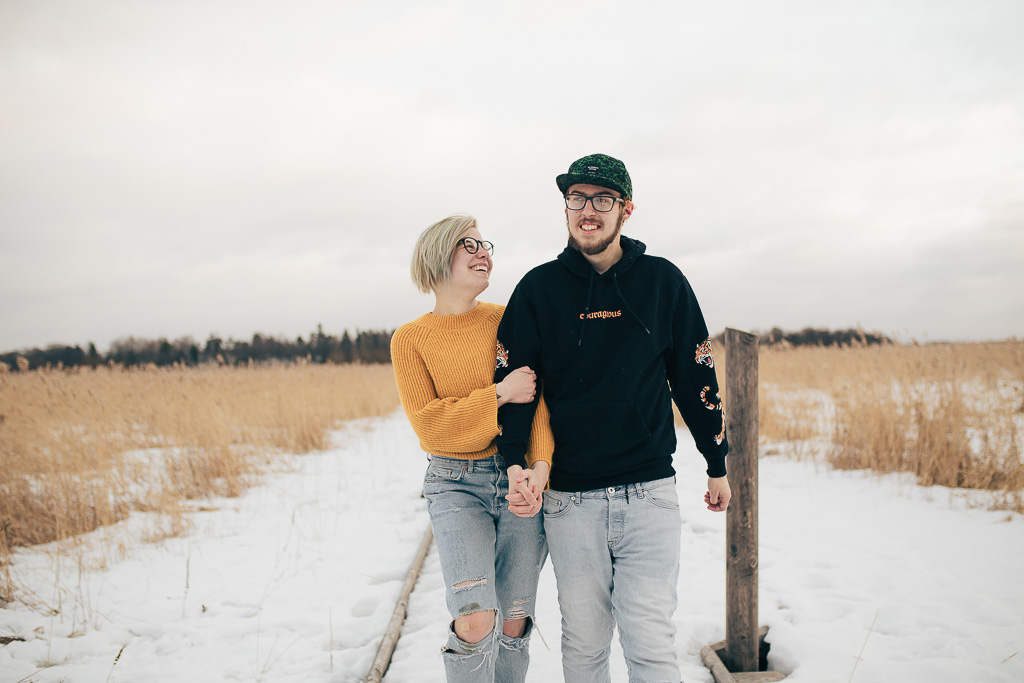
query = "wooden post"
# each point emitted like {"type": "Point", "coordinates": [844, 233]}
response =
{"type": "Point", "coordinates": [741, 652]}
{"type": "Point", "coordinates": [737, 659]}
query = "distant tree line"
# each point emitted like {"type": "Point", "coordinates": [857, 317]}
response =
{"type": "Point", "coordinates": [365, 347]}
{"type": "Point", "coordinates": [810, 336]}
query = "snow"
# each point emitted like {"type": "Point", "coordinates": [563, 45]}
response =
{"type": "Point", "coordinates": [295, 581]}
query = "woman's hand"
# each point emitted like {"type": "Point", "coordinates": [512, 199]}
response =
{"type": "Point", "coordinates": [519, 387]}
{"type": "Point", "coordinates": [526, 489]}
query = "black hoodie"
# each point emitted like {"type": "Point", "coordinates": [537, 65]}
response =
{"type": "Point", "coordinates": [603, 346]}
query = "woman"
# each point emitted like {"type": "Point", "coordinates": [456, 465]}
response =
{"type": "Point", "coordinates": [490, 539]}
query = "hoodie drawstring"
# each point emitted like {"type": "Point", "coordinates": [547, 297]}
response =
{"type": "Point", "coordinates": [615, 280]}
{"type": "Point", "coordinates": [586, 309]}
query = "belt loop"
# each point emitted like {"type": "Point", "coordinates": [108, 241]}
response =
{"type": "Point", "coordinates": [469, 466]}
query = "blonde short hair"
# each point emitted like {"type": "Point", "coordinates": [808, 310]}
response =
{"type": "Point", "coordinates": [432, 255]}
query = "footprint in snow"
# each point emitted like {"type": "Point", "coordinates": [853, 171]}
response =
{"type": "Point", "coordinates": [365, 607]}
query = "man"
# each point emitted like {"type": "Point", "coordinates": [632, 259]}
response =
{"type": "Point", "coordinates": [604, 326]}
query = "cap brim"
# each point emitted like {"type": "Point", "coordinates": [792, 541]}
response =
{"type": "Point", "coordinates": [567, 180]}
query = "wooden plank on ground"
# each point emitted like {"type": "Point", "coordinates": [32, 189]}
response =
{"type": "Point", "coordinates": [714, 663]}
{"type": "Point", "coordinates": [758, 677]}
{"type": "Point", "coordinates": [387, 645]}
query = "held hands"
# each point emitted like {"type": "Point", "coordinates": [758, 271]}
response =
{"type": "Point", "coordinates": [719, 494]}
{"type": "Point", "coordinates": [526, 489]}
{"type": "Point", "coordinates": [519, 387]}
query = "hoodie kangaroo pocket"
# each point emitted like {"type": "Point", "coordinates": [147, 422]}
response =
{"type": "Point", "coordinates": [605, 428]}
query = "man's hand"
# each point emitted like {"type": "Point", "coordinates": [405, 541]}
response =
{"type": "Point", "coordinates": [526, 489]}
{"type": "Point", "coordinates": [719, 494]}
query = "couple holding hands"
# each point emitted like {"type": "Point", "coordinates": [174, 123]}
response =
{"type": "Point", "coordinates": [549, 428]}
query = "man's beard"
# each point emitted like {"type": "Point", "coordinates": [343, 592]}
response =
{"type": "Point", "coordinates": [598, 248]}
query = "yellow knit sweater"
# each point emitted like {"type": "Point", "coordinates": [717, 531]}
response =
{"type": "Point", "coordinates": [444, 367]}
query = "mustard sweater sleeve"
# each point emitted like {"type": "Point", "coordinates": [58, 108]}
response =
{"type": "Point", "coordinates": [444, 424]}
{"type": "Point", "coordinates": [542, 441]}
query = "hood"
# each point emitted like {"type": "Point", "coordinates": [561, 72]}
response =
{"type": "Point", "coordinates": [578, 265]}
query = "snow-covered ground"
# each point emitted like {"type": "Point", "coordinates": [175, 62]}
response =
{"type": "Point", "coordinates": [296, 580]}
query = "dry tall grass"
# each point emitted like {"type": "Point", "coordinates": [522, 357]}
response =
{"type": "Point", "coordinates": [948, 413]}
{"type": "Point", "coordinates": [81, 449]}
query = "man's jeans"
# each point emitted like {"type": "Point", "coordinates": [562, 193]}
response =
{"type": "Point", "coordinates": [616, 557]}
{"type": "Point", "coordinates": [491, 560]}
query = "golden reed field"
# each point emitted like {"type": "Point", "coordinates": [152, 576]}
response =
{"type": "Point", "coordinates": [949, 413]}
{"type": "Point", "coordinates": [83, 448]}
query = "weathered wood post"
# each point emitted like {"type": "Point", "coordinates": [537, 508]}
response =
{"type": "Point", "coordinates": [741, 517]}
{"type": "Point", "coordinates": [737, 658]}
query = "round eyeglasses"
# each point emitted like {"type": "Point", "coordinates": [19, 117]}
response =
{"type": "Point", "coordinates": [600, 202]}
{"type": "Point", "coordinates": [472, 245]}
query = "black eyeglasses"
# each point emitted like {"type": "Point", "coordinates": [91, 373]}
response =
{"type": "Point", "coordinates": [472, 245]}
{"type": "Point", "coordinates": [600, 202]}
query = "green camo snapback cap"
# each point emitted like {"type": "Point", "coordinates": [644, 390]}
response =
{"type": "Point", "coordinates": [598, 169]}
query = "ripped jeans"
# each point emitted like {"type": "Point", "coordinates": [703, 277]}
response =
{"type": "Point", "coordinates": [491, 561]}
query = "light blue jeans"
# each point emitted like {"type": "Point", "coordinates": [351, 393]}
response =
{"type": "Point", "coordinates": [616, 557]}
{"type": "Point", "coordinates": [491, 560]}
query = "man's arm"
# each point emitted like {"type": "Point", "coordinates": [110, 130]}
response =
{"type": "Point", "coordinates": [527, 486]}
{"type": "Point", "coordinates": [691, 373]}
{"type": "Point", "coordinates": [518, 346]}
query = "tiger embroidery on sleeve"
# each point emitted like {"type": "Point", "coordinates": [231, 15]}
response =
{"type": "Point", "coordinates": [714, 406]}
{"type": "Point", "coordinates": [708, 404]}
{"type": "Point", "coordinates": [501, 359]}
{"type": "Point", "coordinates": [720, 406]}
{"type": "Point", "coordinates": [704, 356]}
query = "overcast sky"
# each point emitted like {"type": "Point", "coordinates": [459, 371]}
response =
{"type": "Point", "coordinates": [187, 168]}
